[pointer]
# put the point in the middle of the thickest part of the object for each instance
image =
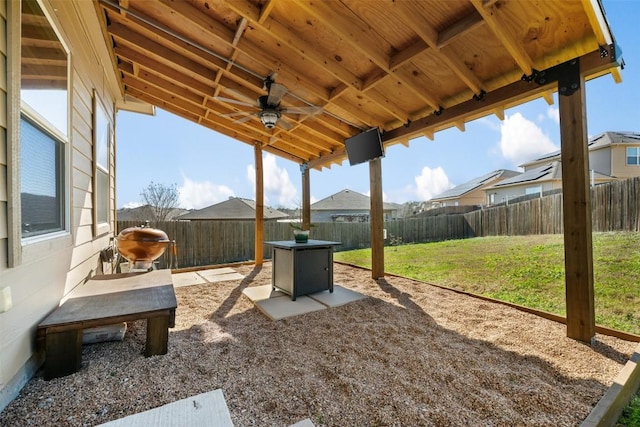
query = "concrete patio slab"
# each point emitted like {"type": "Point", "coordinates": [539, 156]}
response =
{"type": "Point", "coordinates": [187, 279]}
{"type": "Point", "coordinates": [277, 305]}
{"type": "Point", "coordinates": [338, 297]}
{"type": "Point", "coordinates": [259, 293]}
{"type": "Point", "coordinates": [220, 274]}
{"type": "Point", "coordinates": [304, 423]}
{"type": "Point", "coordinates": [281, 307]}
{"type": "Point", "coordinates": [206, 409]}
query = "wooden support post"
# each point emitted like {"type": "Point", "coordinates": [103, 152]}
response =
{"type": "Point", "coordinates": [63, 353]}
{"type": "Point", "coordinates": [306, 197]}
{"type": "Point", "coordinates": [376, 218]}
{"type": "Point", "coordinates": [157, 335]}
{"type": "Point", "coordinates": [578, 251]}
{"type": "Point", "coordinates": [259, 239]}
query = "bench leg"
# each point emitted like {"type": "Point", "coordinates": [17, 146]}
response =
{"type": "Point", "coordinates": [157, 336]}
{"type": "Point", "coordinates": [63, 353]}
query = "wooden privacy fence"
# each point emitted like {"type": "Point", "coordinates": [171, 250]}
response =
{"type": "Point", "coordinates": [219, 242]}
{"type": "Point", "coordinates": [615, 207]}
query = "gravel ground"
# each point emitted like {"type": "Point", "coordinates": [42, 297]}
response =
{"type": "Point", "coordinates": [409, 355]}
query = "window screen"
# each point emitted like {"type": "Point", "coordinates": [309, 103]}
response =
{"type": "Point", "coordinates": [40, 186]}
{"type": "Point", "coordinates": [633, 156]}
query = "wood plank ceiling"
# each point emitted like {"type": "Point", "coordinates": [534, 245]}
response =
{"type": "Point", "coordinates": [410, 68]}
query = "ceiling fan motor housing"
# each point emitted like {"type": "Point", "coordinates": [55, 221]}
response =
{"type": "Point", "coordinates": [269, 117]}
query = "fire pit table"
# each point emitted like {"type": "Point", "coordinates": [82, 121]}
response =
{"type": "Point", "coordinates": [302, 268]}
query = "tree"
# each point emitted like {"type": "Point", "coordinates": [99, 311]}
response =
{"type": "Point", "coordinates": [161, 199]}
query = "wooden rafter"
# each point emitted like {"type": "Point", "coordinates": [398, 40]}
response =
{"type": "Point", "coordinates": [363, 39]}
{"type": "Point", "coordinates": [413, 17]}
{"type": "Point", "coordinates": [491, 16]}
{"type": "Point", "coordinates": [319, 59]}
{"type": "Point", "coordinates": [192, 57]}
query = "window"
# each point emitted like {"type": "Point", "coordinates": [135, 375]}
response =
{"type": "Point", "coordinates": [43, 124]}
{"type": "Point", "coordinates": [102, 135]}
{"type": "Point", "coordinates": [533, 190]}
{"type": "Point", "coordinates": [633, 156]}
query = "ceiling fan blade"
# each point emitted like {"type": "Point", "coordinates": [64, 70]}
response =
{"type": "Point", "coordinates": [238, 94]}
{"type": "Point", "coordinates": [285, 124]}
{"type": "Point", "coordinates": [312, 111]}
{"type": "Point", "coordinates": [234, 101]}
{"type": "Point", "coordinates": [236, 114]}
{"type": "Point", "coordinates": [244, 119]}
{"type": "Point", "coordinates": [276, 92]}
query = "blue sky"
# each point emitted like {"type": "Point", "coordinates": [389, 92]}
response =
{"type": "Point", "coordinates": [208, 167]}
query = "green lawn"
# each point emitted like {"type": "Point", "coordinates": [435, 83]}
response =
{"type": "Point", "coordinates": [527, 270]}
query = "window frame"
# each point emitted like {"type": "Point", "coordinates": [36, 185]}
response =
{"type": "Point", "coordinates": [627, 156]}
{"type": "Point", "coordinates": [23, 250]}
{"type": "Point", "coordinates": [101, 136]}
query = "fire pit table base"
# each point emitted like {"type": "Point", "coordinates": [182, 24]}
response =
{"type": "Point", "coordinates": [302, 268]}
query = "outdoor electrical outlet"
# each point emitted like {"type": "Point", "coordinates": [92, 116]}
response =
{"type": "Point", "coordinates": [5, 299]}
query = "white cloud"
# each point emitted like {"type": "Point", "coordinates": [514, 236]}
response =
{"type": "Point", "coordinates": [278, 189]}
{"type": "Point", "coordinates": [431, 182]}
{"type": "Point", "coordinates": [521, 140]}
{"type": "Point", "coordinates": [197, 195]}
{"type": "Point", "coordinates": [489, 122]}
{"type": "Point", "coordinates": [554, 114]}
{"type": "Point", "coordinates": [132, 205]}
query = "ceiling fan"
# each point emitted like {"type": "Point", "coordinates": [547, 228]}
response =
{"type": "Point", "coordinates": [268, 107]}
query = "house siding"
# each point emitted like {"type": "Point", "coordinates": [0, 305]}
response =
{"type": "Point", "coordinates": [619, 162]}
{"type": "Point", "coordinates": [505, 194]}
{"type": "Point", "coordinates": [46, 271]}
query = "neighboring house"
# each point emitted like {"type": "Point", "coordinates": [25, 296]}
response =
{"type": "Point", "coordinates": [234, 209]}
{"type": "Point", "coordinates": [612, 155]}
{"type": "Point", "coordinates": [145, 213]}
{"type": "Point", "coordinates": [539, 180]}
{"type": "Point", "coordinates": [471, 193]}
{"type": "Point", "coordinates": [349, 206]}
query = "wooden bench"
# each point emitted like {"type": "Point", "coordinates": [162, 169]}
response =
{"type": "Point", "coordinates": [105, 300]}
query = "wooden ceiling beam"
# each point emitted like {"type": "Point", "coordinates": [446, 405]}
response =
{"type": "Point", "coordinates": [315, 150]}
{"type": "Point", "coordinates": [590, 64]}
{"type": "Point", "coordinates": [362, 38]}
{"type": "Point", "coordinates": [238, 133]}
{"type": "Point", "coordinates": [160, 103]}
{"type": "Point", "coordinates": [129, 56]}
{"type": "Point", "coordinates": [598, 21]}
{"type": "Point", "coordinates": [413, 18]}
{"type": "Point", "coordinates": [459, 29]}
{"type": "Point", "coordinates": [220, 34]}
{"type": "Point", "coordinates": [406, 55]}
{"type": "Point", "coordinates": [491, 15]}
{"type": "Point", "coordinates": [288, 38]}
{"type": "Point", "coordinates": [178, 46]}
{"type": "Point", "coordinates": [171, 100]}
{"type": "Point", "coordinates": [265, 11]}
{"type": "Point", "coordinates": [137, 46]}
{"type": "Point", "coordinates": [168, 97]}
{"type": "Point", "coordinates": [175, 90]}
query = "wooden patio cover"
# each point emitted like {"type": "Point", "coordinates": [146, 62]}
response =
{"type": "Point", "coordinates": [410, 68]}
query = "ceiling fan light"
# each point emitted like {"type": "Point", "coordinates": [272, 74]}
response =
{"type": "Point", "coordinates": [269, 118]}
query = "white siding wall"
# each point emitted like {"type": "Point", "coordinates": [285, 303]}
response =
{"type": "Point", "coordinates": [48, 270]}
